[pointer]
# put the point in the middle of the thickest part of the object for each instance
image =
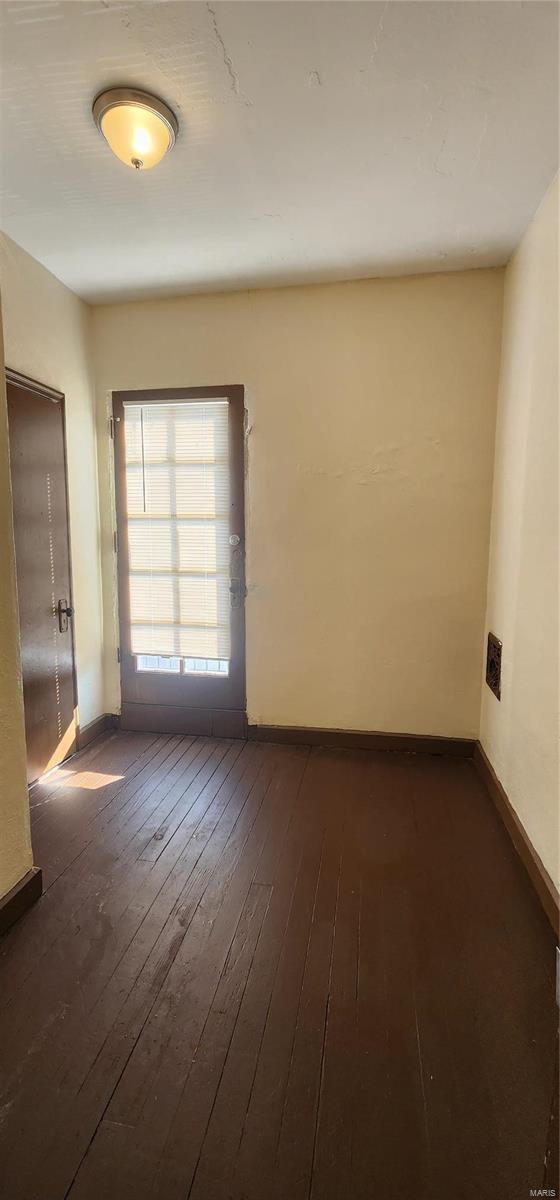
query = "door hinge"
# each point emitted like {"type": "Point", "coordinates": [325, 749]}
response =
{"type": "Point", "coordinates": [118, 654]}
{"type": "Point", "coordinates": [112, 428]}
{"type": "Point", "coordinates": [115, 541]}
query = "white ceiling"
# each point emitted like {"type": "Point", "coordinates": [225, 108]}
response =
{"type": "Point", "coordinates": [317, 140]}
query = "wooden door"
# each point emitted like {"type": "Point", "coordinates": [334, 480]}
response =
{"type": "Point", "coordinates": [39, 497]}
{"type": "Point", "coordinates": [181, 559]}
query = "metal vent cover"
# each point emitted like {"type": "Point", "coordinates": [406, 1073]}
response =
{"type": "Point", "coordinates": [494, 665]}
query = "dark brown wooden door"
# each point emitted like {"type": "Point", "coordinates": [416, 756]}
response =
{"type": "Point", "coordinates": [38, 472]}
{"type": "Point", "coordinates": [181, 559]}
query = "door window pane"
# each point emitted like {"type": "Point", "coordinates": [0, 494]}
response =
{"type": "Point", "coordinates": [206, 666]}
{"type": "Point", "coordinates": [156, 662]}
{"type": "Point", "coordinates": [178, 506]}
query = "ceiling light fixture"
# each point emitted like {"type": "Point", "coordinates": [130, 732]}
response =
{"type": "Point", "coordinates": [139, 128]}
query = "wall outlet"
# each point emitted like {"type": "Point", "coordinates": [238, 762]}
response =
{"type": "Point", "coordinates": [494, 665]}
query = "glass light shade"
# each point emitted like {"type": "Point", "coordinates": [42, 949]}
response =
{"type": "Point", "coordinates": [139, 128]}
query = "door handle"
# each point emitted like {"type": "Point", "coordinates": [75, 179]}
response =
{"type": "Point", "coordinates": [64, 612]}
{"type": "Point", "coordinates": [237, 591]}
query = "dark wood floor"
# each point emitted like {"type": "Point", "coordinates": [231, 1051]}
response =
{"type": "Point", "coordinates": [267, 972]}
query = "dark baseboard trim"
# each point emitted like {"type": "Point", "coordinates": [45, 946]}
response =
{"type": "Point", "coordinates": [16, 902]}
{"type": "Point", "coordinates": [354, 739]}
{"type": "Point", "coordinates": [536, 870]}
{"type": "Point", "coordinates": [171, 718]}
{"type": "Point", "coordinates": [87, 733]}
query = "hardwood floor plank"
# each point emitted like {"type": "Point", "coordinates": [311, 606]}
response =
{"type": "Point", "coordinates": [204, 948]}
{"type": "Point", "coordinates": [492, 1050]}
{"type": "Point", "coordinates": [293, 877]}
{"type": "Point", "coordinates": [163, 1054]}
{"type": "Point", "coordinates": [293, 1162]}
{"type": "Point", "coordinates": [340, 1067]}
{"type": "Point", "coordinates": [90, 874]}
{"type": "Point", "coordinates": [262, 970]}
{"type": "Point", "coordinates": [117, 1143]}
{"type": "Point", "coordinates": [181, 1150]}
{"type": "Point", "coordinates": [318, 1101]}
{"type": "Point", "coordinates": [259, 1104]}
{"type": "Point", "coordinates": [71, 948]}
{"type": "Point", "coordinates": [460, 1111]}
{"type": "Point", "coordinates": [93, 874]}
{"type": "Point", "coordinates": [102, 749]}
{"type": "Point", "coordinates": [390, 1085]}
{"type": "Point", "coordinates": [65, 804]}
{"type": "Point", "coordinates": [68, 834]}
{"type": "Point", "coordinates": [94, 1053]}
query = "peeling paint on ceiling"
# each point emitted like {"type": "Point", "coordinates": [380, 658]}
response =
{"type": "Point", "coordinates": [318, 141]}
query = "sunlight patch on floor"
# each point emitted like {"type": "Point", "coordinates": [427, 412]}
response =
{"type": "Point", "coordinates": [92, 780]}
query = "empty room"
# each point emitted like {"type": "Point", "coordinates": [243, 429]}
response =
{"type": "Point", "coordinates": [279, 639]}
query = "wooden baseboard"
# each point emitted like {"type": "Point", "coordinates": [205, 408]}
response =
{"type": "Point", "coordinates": [355, 739]}
{"type": "Point", "coordinates": [16, 902]}
{"type": "Point", "coordinates": [87, 733]}
{"type": "Point", "coordinates": [536, 870]}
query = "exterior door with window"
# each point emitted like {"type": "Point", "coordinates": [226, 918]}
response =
{"type": "Point", "coordinates": [181, 559]}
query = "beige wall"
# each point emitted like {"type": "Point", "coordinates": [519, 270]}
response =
{"type": "Point", "coordinates": [521, 733]}
{"type": "Point", "coordinates": [372, 412]}
{"type": "Point", "coordinates": [47, 337]}
{"type": "Point", "coordinates": [15, 839]}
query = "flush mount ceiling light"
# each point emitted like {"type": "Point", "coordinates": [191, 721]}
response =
{"type": "Point", "coordinates": [139, 128]}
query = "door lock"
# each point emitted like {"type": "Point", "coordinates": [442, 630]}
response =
{"type": "Point", "coordinates": [64, 612]}
{"type": "Point", "coordinates": [237, 591]}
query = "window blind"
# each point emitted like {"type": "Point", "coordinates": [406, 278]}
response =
{"type": "Point", "coordinates": [177, 487]}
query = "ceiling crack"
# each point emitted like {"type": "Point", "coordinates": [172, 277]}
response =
{"type": "Point", "coordinates": [379, 31]}
{"type": "Point", "coordinates": [445, 174]}
{"type": "Point", "coordinates": [481, 138]}
{"type": "Point", "coordinates": [234, 78]}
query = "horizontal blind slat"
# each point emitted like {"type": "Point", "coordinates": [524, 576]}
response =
{"type": "Point", "coordinates": [178, 498]}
